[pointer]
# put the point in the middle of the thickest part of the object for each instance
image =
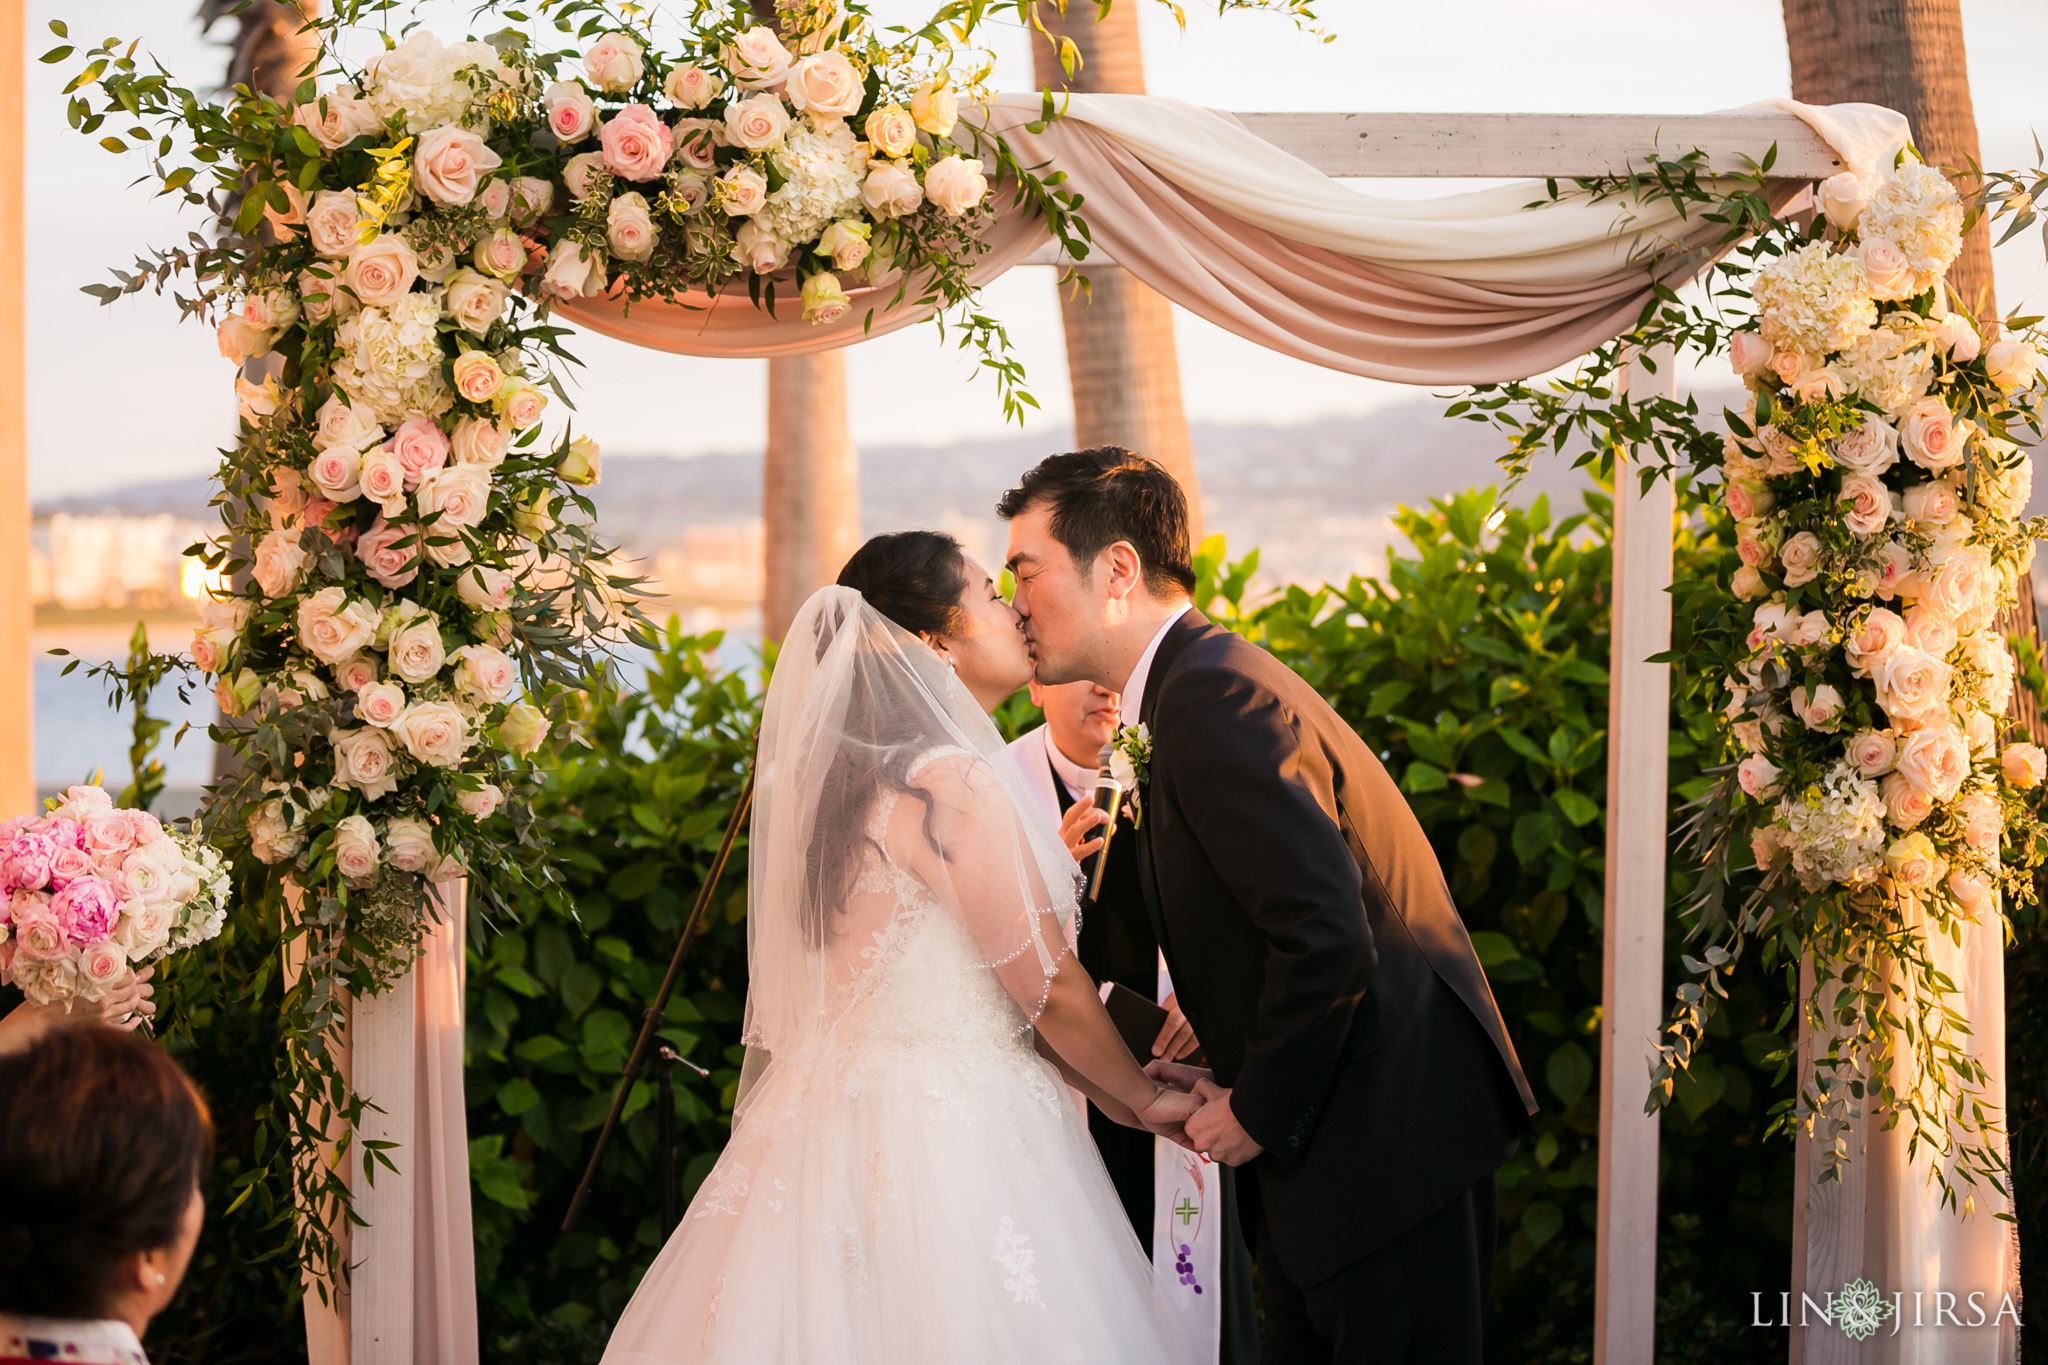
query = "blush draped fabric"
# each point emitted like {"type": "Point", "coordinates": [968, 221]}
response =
{"type": "Point", "coordinates": [1465, 288]}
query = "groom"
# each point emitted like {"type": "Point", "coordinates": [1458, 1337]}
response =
{"type": "Point", "coordinates": [1361, 1068]}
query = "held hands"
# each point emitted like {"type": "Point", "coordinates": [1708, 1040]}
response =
{"type": "Point", "coordinates": [1212, 1129]}
{"type": "Point", "coordinates": [1077, 830]}
{"type": "Point", "coordinates": [1168, 1111]}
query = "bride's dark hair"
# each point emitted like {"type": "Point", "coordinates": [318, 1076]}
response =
{"type": "Point", "coordinates": [915, 579]}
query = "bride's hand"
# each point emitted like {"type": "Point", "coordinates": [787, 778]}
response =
{"type": "Point", "coordinates": [1178, 1075]}
{"type": "Point", "coordinates": [1168, 1112]}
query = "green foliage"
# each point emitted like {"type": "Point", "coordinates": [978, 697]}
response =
{"type": "Point", "coordinates": [1478, 672]}
{"type": "Point", "coordinates": [557, 994]}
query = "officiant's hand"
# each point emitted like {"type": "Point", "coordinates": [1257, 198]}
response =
{"type": "Point", "coordinates": [1215, 1132]}
{"type": "Point", "coordinates": [1176, 1036]}
{"type": "Point", "coordinates": [1077, 830]}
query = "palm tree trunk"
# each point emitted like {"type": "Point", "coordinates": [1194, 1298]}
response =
{"type": "Point", "coordinates": [1121, 358]}
{"type": "Point", "coordinates": [810, 496]}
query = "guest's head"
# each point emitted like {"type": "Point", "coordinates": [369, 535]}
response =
{"type": "Point", "coordinates": [1081, 717]}
{"type": "Point", "coordinates": [102, 1139]}
{"type": "Point", "coordinates": [928, 585]}
{"type": "Point", "coordinates": [1098, 542]}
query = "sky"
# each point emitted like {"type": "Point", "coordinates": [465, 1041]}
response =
{"type": "Point", "coordinates": [126, 394]}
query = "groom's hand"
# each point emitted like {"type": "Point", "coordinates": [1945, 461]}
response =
{"type": "Point", "coordinates": [1178, 1076]}
{"type": "Point", "coordinates": [1215, 1132]}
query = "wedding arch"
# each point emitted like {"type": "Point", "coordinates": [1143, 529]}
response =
{"type": "Point", "coordinates": [421, 560]}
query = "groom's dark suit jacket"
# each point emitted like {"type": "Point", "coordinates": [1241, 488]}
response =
{"type": "Point", "coordinates": [1317, 952]}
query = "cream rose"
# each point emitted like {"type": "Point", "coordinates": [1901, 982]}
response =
{"type": "Point", "coordinates": [692, 87]}
{"type": "Point", "coordinates": [523, 728]}
{"type": "Point", "coordinates": [1905, 805]}
{"type": "Point", "coordinates": [824, 300]}
{"type": "Point", "coordinates": [332, 223]}
{"type": "Point", "coordinates": [380, 272]}
{"type": "Point", "coordinates": [358, 670]}
{"type": "Point", "coordinates": [636, 144]}
{"type": "Point", "coordinates": [383, 480]}
{"type": "Point", "coordinates": [846, 242]}
{"type": "Point", "coordinates": [2024, 765]}
{"type": "Point", "coordinates": [1747, 584]}
{"type": "Point", "coordinates": [579, 176]}
{"type": "Point", "coordinates": [239, 342]}
{"type": "Point", "coordinates": [460, 493]}
{"type": "Point", "coordinates": [613, 63]}
{"type": "Point", "coordinates": [476, 300]}
{"type": "Point", "coordinates": [521, 404]}
{"type": "Point", "coordinates": [409, 844]}
{"type": "Point", "coordinates": [742, 191]}
{"type": "Point", "coordinates": [415, 652]}
{"type": "Point", "coordinates": [1971, 891]}
{"type": "Point", "coordinates": [434, 733]}
{"type": "Point", "coordinates": [337, 119]}
{"type": "Point", "coordinates": [380, 704]}
{"type": "Point", "coordinates": [629, 229]}
{"type": "Point", "coordinates": [1912, 686]}
{"type": "Point", "coordinates": [582, 463]}
{"type": "Point", "coordinates": [1887, 274]}
{"type": "Point", "coordinates": [1895, 569]}
{"type": "Point", "coordinates": [757, 59]}
{"type": "Point", "coordinates": [1873, 752]}
{"type": "Point", "coordinates": [482, 803]}
{"type": "Point", "coordinates": [891, 189]}
{"type": "Point", "coordinates": [1819, 708]}
{"type": "Point", "coordinates": [760, 250]}
{"type": "Point", "coordinates": [2011, 363]}
{"type": "Point", "coordinates": [574, 271]}
{"type": "Point", "coordinates": [1758, 777]}
{"type": "Point", "coordinates": [337, 472]}
{"type": "Point", "coordinates": [1927, 630]}
{"type": "Point", "coordinates": [1928, 433]}
{"type": "Point", "coordinates": [332, 628]}
{"type": "Point", "coordinates": [1957, 335]}
{"type": "Point", "coordinates": [1800, 558]}
{"type": "Point", "coordinates": [531, 197]}
{"type": "Point", "coordinates": [826, 85]}
{"type": "Point", "coordinates": [485, 588]}
{"type": "Point", "coordinates": [955, 184]}
{"type": "Point", "coordinates": [342, 423]}
{"type": "Point", "coordinates": [1841, 199]}
{"type": "Point", "coordinates": [355, 848]}
{"type": "Point", "coordinates": [449, 163]}
{"type": "Point", "coordinates": [1867, 504]}
{"type": "Point", "coordinates": [279, 563]}
{"type": "Point", "coordinates": [756, 123]}
{"type": "Point", "coordinates": [479, 442]}
{"type": "Point", "coordinates": [1913, 862]}
{"type": "Point", "coordinates": [477, 376]}
{"type": "Point", "coordinates": [362, 759]}
{"type": "Point", "coordinates": [1935, 760]}
{"type": "Point", "coordinates": [935, 108]}
{"type": "Point", "coordinates": [698, 141]}
{"type": "Point", "coordinates": [1964, 585]}
{"type": "Point", "coordinates": [488, 675]}
{"type": "Point", "coordinates": [1983, 821]}
{"type": "Point", "coordinates": [501, 255]}
{"type": "Point", "coordinates": [1930, 502]}
{"type": "Point", "coordinates": [1871, 448]}
{"type": "Point", "coordinates": [891, 131]}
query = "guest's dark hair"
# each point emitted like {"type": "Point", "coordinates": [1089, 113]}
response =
{"type": "Point", "coordinates": [102, 1139]}
{"type": "Point", "coordinates": [915, 578]}
{"type": "Point", "coordinates": [1100, 496]}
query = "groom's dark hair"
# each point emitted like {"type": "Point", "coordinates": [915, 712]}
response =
{"type": "Point", "coordinates": [1100, 496]}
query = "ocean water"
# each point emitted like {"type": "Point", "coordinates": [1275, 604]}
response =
{"type": "Point", "coordinates": [77, 732]}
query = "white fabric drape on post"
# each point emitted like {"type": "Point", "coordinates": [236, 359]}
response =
{"type": "Point", "coordinates": [417, 1304]}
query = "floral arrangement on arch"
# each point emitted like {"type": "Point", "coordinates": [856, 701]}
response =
{"type": "Point", "coordinates": [1881, 795]}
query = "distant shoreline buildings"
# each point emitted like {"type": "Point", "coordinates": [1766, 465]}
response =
{"type": "Point", "coordinates": [116, 560]}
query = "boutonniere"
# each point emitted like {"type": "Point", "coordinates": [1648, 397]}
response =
{"type": "Point", "coordinates": [1131, 765]}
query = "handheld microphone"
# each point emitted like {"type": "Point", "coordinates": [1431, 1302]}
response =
{"type": "Point", "coordinates": [1109, 795]}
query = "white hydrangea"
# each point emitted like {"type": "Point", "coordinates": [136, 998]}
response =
{"type": "Point", "coordinates": [823, 166]}
{"type": "Point", "coordinates": [1813, 300]}
{"type": "Point", "coordinates": [1836, 828]}
{"type": "Point", "coordinates": [1889, 366]}
{"type": "Point", "coordinates": [201, 917]}
{"type": "Point", "coordinates": [426, 81]}
{"type": "Point", "coordinates": [390, 359]}
{"type": "Point", "coordinates": [1918, 211]}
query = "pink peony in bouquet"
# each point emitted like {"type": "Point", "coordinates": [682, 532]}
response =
{"type": "Point", "coordinates": [89, 892]}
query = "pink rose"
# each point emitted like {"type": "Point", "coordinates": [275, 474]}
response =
{"type": "Point", "coordinates": [742, 191]}
{"type": "Point", "coordinates": [501, 255]}
{"type": "Point", "coordinates": [279, 562]}
{"type": "Point", "coordinates": [2024, 765]}
{"type": "Point", "coordinates": [1895, 566]}
{"type": "Point", "coordinates": [1935, 760]}
{"type": "Point", "coordinates": [1983, 821]}
{"type": "Point", "coordinates": [332, 223]}
{"type": "Point", "coordinates": [636, 143]}
{"type": "Point", "coordinates": [332, 628]}
{"type": "Point", "coordinates": [1758, 777]}
{"type": "Point", "coordinates": [380, 703]}
{"type": "Point", "coordinates": [448, 164]}
{"type": "Point", "coordinates": [390, 553]}
{"type": "Point", "coordinates": [1820, 708]}
{"type": "Point", "coordinates": [692, 87]}
{"type": "Point", "coordinates": [355, 672]}
{"type": "Point", "coordinates": [410, 843]}
{"type": "Point", "coordinates": [101, 967]}
{"type": "Point", "coordinates": [579, 175]}
{"type": "Point", "coordinates": [109, 831]}
{"type": "Point", "coordinates": [759, 249]}
{"type": "Point", "coordinates": [337, 472]}
{"type": "Point", "coordinates": [1928, 432]}
{"type": "Point", "coordinates": [363, 760]}
{"type": "Point", "coordinates": [433, 732]}
{"type": "Point", "coordinates": [479, 442]}
{"type": "Point", "coordinates": [1913, 862]}
{"type": "Point", "coordinates": [1747, 584]}
{"type": "Point", "coordinates": [383, 480]}
{"type": "Point", "coordinates": [38, 934]}
{"type": "Point", "coordinates": [1928, 630]}
{"type": "Point", "coordinates": [1905, 805]}
{"type": "Point", "coordinates": [1912, 686]}
{"type": "Point", "coordinates": [482, 803]}
{"type": "Point", "coordinates": [531, 197]}
{"type": "Point", "coordinates": [477, 377]}
{"type": "Point", "coordinates": [421, 447]}
{"type": "Point", "coordinates": [355, 848]}
{"type": "Point", "coordinates": [476, 300]}
{"type": "Point", "coordinates": [460, 493]}
{"type": "Point", "coordinates": [629, 229]}
{"type": "Point", "coordinates": [382, 271]}
{"type": "Point", "coordinates": [826, 85]}
{"type": "Point", "coordinates": [1748, 353]}
{"type": "Point", "coordinates": [485, 588]}
{"type": "Point", "coordinates": [1867, 503]}
{"type": "Point", "coordinates": [1873, 752]}
{"type": "Point", "coordinates": [522, 404]}
{"type": "Point", "coordinates": [1957, 335]}
{"type": "Point", "coordinates": [697, 142]}
{"type": "Point", "coordinates": [488, 675]}
{"type": "Point", "coordinates": [495, 199]}
{"type": "Point", "coordinates": [87, 908]}
{"type": "Point", "coordinates": [1931, 502]}
{"type": "Point", "coordinates": [571, 115]}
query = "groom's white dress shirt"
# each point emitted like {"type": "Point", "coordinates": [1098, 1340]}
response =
{"type": "Point", "coordinates": [1133, 690]}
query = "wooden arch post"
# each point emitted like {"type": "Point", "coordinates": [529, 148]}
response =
{"type": "Point", "coordinates": [17, 611]}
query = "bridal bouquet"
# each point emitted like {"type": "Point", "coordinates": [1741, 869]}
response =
{"type": "Point", "coordinates": [1878, 497]}
{"type": "Point", "coordinates": [92, 892]}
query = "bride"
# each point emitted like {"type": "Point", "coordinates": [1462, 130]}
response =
{"type": "Point", "coordinates": [907, 1181]}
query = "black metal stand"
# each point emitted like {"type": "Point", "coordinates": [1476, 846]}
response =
{"type": "Point", "coordinates": [665, 1133]}
{"type": "Point", "coordinates": [643, 1047]}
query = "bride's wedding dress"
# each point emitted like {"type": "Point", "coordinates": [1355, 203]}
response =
{"type": "Point", "coordinates": [907, 1182]}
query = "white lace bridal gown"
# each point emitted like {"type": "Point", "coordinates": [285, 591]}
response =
{"type": "Point", "coordinates": [913, 1187]}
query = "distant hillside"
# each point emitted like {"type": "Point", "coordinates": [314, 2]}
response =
{"type": "Point", "coordinates": [1314, 498]}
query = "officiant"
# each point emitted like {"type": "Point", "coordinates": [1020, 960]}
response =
{"type": "Point", "coordinates": [1178, 1203]}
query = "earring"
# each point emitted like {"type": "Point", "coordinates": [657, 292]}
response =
{"type": "Point", "coordinates": [162, 1278]}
